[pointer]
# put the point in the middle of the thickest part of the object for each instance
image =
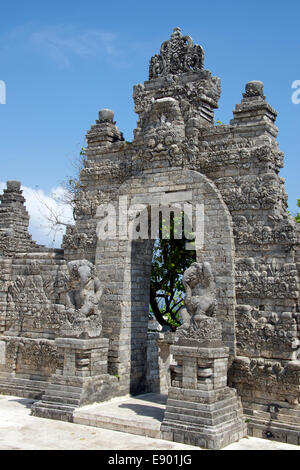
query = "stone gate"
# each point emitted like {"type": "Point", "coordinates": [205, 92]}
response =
{"type": "Point", "coordinates": [124, 266]}
{"type": "Point", "coordinates": [73, 321]}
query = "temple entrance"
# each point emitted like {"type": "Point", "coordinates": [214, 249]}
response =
{"type": "Point", "coordinates": [124, 266]}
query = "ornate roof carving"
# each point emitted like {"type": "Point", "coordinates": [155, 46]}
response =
{"type": "Point", "coordinates": [177, 55]}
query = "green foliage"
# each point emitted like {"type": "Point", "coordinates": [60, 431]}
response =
{"type": "Point", "coordinates": [219, 123]}
{"type": "Point", "coordinates": [297, 216]}
{"type": "Point", "coordinates": [170, 260]}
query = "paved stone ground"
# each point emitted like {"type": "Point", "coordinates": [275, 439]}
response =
{"type": "Point", "coordinates": [20, 431]}
{"type": "Point", "coordinates": [141, 415]}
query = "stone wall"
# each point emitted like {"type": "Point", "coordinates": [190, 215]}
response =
{"type": "Point", "coordinates": [159, 360]}
{"type": "Point", "coordinates": [28, 293]}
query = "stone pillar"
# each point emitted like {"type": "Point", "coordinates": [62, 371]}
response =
{"type": "Point", "coordinates": [81, 379]}
{"type": "Point", "coordinates": [82, 357]}
{"type": "Point", "coordinates": [201, 410]}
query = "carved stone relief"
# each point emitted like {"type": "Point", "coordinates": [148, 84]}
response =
{"type": "Point", "coordinates": [176, 56]}
{"type": "Point", "coordinates": [198, 320]}
{"type": "Point", "coordinates": [82, 298]}
{"type": "Point", "coordinates": [266, 278]}
{"type": "Point", "coordinates": [252, 192]}
{"type": "Point", "coordinates": [267, 334]}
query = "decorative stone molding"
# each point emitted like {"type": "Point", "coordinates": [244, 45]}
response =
{"type": "Point", "coordinates": [266, 279]}
{"type": "Point", "coordinates": [177, 55]}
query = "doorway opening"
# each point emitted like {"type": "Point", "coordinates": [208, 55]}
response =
{"type": "Point", "coordinates": [157, 294]}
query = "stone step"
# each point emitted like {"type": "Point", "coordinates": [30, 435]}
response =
{"type": "Point", "coordinates": [52, 411]}
{"type": "Point", "coordinates": [141, 415]}
{"type": "Point", "coordinates": [50, 405]}
{"type": "Point", "coordinates": [139, 428]}
{"type": "Point", "coordinates": [60, 399]}
{"type": "Point", "coordinates": [43, 253]}
{"type": "Point", "coordinates": [274, 422]}
{"type": "Point", "coordinates": [211, 409]}
{"type": "Point", "coordinates": [21, 393]}
{"type": "Point", "coordinates": [22, 388]}
{"type": "Point", "coordinates": [205, 407]}
{"type": "Point", "coordinates": [287, 418]}
{"type": "Point", "coordinates": [17, 386]}
{"type": "Point", "coordinates": [198, 419]}
{"type": "Point", "coordinates": [64, 388]}
{"type": "Point", "coordinates": [210, 416]}
{"type": "Point", "coordinates": [60, 392]}
{"type": "Point", "coordinates": [273, 430]}
{"type": "Point", "coordinates": [273, 412]}
{"type": "Point", "coordinates": [218, 429]}
{"type": "Point", "coordinates": [18, 380]}
{"type": "Point", "coordinates": [25, 384]}
{"type": "Point", "coordinates": [216, 437]}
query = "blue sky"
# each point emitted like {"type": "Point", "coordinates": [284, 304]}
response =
{"type": "Point", "coordinates": [64, 60]}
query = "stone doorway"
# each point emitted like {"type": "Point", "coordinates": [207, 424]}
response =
{"type": "Point", "coordinates": [124, 267]}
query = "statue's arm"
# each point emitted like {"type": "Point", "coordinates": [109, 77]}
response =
{"type": "Point", "coordinates": [188, 297]}
{"type": "Point", "coordinates": [98, 289]}
{"type": "Point", "coordinates": [70, 301]}
{"type": "Point", "coordinates": [208, 275]}
{"type": "Point", "coordinates": [207, 271]}
{"type": "Point", "coordinates": [185, 318]}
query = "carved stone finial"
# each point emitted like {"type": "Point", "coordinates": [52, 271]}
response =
{"type": "Point", "coordinates": [254, 88]}
{"type": "Point", "coordinates": [13, 186]}
{"type": "Point", "coordinates": [176, 33]}
{"type": "Point", "coordinates": [106, 115]}
{"type": "Point", "coordinates": [105, 131]}
{"type": "Point", "coordinates": [177, 55]}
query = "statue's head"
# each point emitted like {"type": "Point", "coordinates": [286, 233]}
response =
{"type": "Point", "coordinates": [198, 273]}
{"type": "Point", "coordinates": [192, 275]}
{"type": "Point", "coordinates": [81, 270]}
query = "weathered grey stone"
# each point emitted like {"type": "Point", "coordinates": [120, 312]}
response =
{"type": "Point", "coordinates": [250, 242]}
{"type": "Point", "coordinates": [81, 379]}
{"type": "Point", "coordinates": [200, 407]}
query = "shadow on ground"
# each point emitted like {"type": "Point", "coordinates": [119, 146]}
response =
{"type": "Point", "coordinates": [23, 401]}
{"type": "Point", "coordinates": [145, 410]}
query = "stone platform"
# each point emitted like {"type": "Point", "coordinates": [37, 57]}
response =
{"type": "Point", "coordinates": [81, 379]}
{"type": "Point", "coordinates": [24, 386]}
{"type": "Point", "coordinates": [201, 409]}
{"type": "Point", "coordinates": [141, 415]}
{"type": "Point", "coordinates": [19, 430]}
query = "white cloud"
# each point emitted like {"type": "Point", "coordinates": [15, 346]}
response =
{"type": "Point", "coordinates": [60, 43]}
{"type": "Point", "coordinates": [41, 208]}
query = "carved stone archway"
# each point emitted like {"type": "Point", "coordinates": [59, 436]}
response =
{"type": "Point", "coordinates": [124, 267]}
